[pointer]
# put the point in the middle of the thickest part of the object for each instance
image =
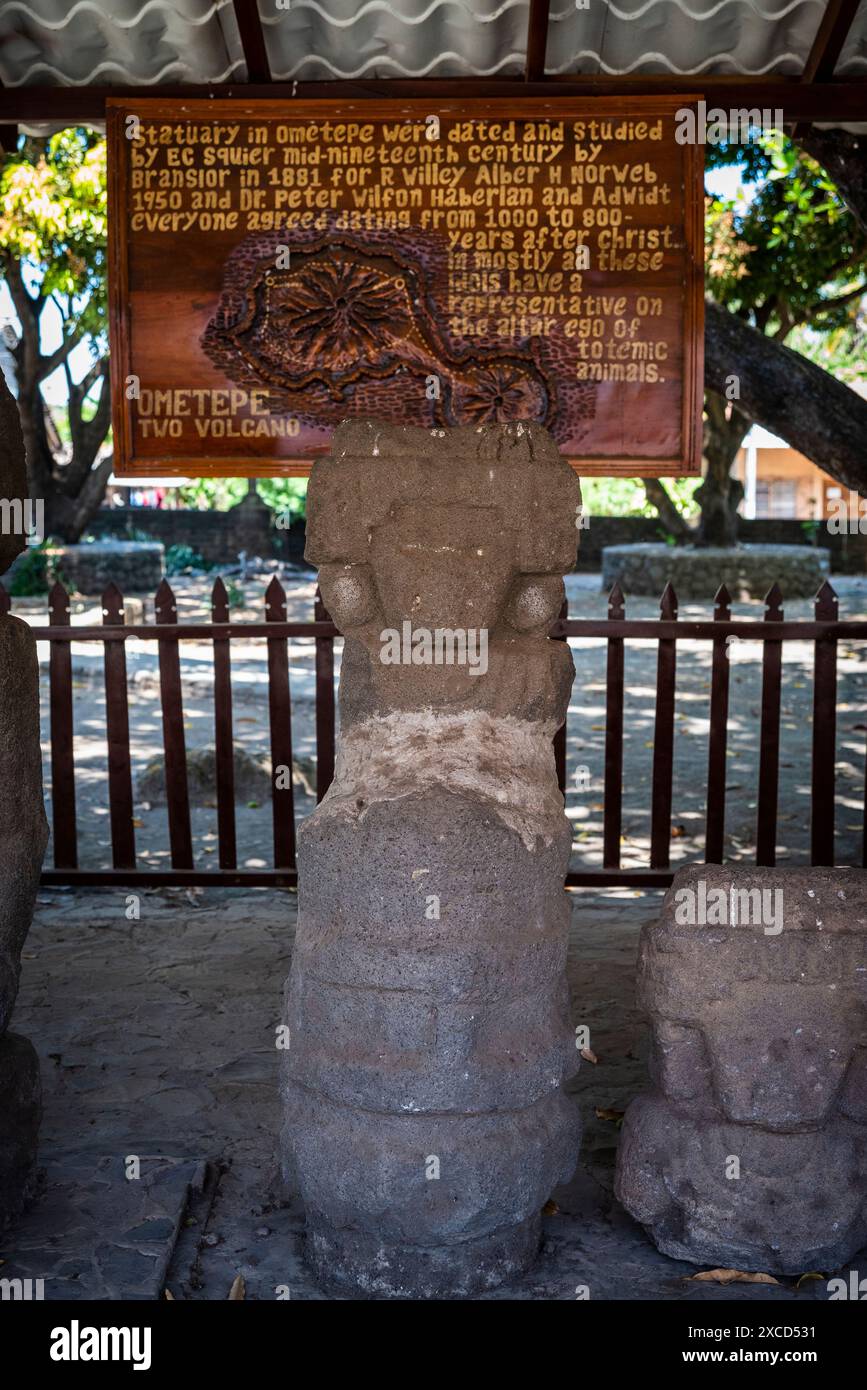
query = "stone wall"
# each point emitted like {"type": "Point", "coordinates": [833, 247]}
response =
{"type": "Point", "coordinates": [847, 554]}
{"type": "Point", "coordinates": [136, 567]}
{"type": "Point", "coordinates": [218, 537]}
{"type": "Point", "coordinates": [748, 571]}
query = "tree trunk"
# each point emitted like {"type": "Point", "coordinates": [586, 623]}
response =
{"type": "Point", "coordinates": [789, 395]}
{"type": "Point", "coordinates": [720, 494]}
{"type": "Point", "coordinates": [71, 492]}
{"type": "Point", "coordinates": [674, 523]}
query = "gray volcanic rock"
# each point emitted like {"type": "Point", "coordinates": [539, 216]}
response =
{"type": "Point", "coordinates": [23, 827]}
{"type": "Point", "coordinates": [20, 1113]}
{"type": "Point", "coordinates": [13, 474]}
{"type": "Point", "coordinates": [427, 1006]}
{"type": "Point", "coordinates": [751, 1151]}
{"type": "Point", "coordinates": [23, 837]}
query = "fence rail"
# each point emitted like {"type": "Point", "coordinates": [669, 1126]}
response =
{"type": "Point", "coordinates": [825, 630]}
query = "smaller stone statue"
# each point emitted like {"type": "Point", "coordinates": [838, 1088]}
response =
{"type": "Point", "coordinates": [750, 1152]}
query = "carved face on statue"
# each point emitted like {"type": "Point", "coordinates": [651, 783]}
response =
{"type": "Point", "coordinates": [443, 566]}
{"type": "Point", "coordinates": [441, 598]}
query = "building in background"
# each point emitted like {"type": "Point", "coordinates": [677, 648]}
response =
{"type": "Point", "coordinates": [781, 483]}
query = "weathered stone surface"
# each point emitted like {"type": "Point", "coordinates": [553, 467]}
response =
{"type": "Point", "coordinates": [23, 836]}
{"type": "Point", "coordinates": [427, 1005]}
{"type": "Point", "coordinates": [23, 827]}
{"type": "Point", "coordinates": [252, 776]}
{"type": "Point", "coordinates": [90, 568]}
{"type": "Point", "coordinates": [748, 571]}
{"type": "Point", "coordinates": [752, 1149]}
{"type": "Point", "coordinates": [20, 1112]}
{"type": "Point", "coordinates": [13, 475]}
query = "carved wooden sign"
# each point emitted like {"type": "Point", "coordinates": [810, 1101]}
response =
{"type": "Point", "coordinates": [277, 268]}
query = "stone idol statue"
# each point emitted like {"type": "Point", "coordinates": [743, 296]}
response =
{"type": "Point", "coordinates": [427, 1005]}
{"type": "Point", "coordinates": [23, 836]}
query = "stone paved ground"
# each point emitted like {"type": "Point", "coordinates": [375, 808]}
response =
{"type": "Point", "coordinates": [586, 727]}
{"type": "Point", "coordinates": [157, 1040]}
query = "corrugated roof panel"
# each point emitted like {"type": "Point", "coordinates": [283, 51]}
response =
{"type": "Point", "coordinates": [320, 39]}
{"type": "Point", "coordinates": [56, 42]}
{"type": "Point", "coordinates": [152, 41]}
{"type": "Point", "coordinates": [853, 59]}
{"type": "Point", "coordinates": [682, 36]}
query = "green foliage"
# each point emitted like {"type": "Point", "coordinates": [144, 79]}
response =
{"type": "Point", "coordinates": [283, 495]}
{"type": "Point", "coordinates": [791, 255]}
{"type": "Point", "coordinates": [212, 494]}
{"type": "Point", "coordinates": [35, 572]}
{"type": "Point", "coordinates": [54, 218]}
{"type": "Point", "coordinates": [181, 558]}
{"type": "Point", "coordinates": [626, 496]}
{"type": "Point", "coordinates": [842, 351]}
{"type": "Point", "coordinates": [30, 576]}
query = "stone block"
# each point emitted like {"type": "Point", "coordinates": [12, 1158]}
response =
{"type": "Point", "coordinates": [696, 572]}
{"type": "Point", "coordinates": [751, 1150]}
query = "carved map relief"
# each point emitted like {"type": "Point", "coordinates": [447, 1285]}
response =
{"type": "Point", "coordinates": [340, 325]}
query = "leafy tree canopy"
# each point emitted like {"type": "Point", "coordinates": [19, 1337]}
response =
{"type": "Point", "coordinates": [792, 253]}
{"type": "Point", "coordinates": [54, 220]}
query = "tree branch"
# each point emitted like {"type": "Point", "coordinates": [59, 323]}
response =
{"type": "Point", "coordinates": [789, 395]}
{"type": "Point", "coordinates": [844, 158]}
{"type": "Point", "coordinates": [671, 518]}
{"type": "Point", "coordinates": [90, 495]}
{"type": "Point", "coordinates": [49, 364]}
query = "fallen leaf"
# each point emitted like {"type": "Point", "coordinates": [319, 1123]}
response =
{"type": "Point", "coordinates": [550, 1209]}
{"type": "Point", "coordinates": [137, 822]}
{"type": "Point", "coordinates": [589, 1055]}
{"type": "Point", "coordinates": [813, 1274]}
{"type": "Point", "coordinates": [731, 1276]}
{"type": "Point", "coordinates": [169, 1296]}
{"type": "Point", "coordinates": [615, 1115]}
{"type": "Point", "coordinates": [678, 832]}
{"type": "Point", "coordinates": [238, 1290]}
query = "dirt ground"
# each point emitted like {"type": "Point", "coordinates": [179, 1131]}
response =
{"type": "Point", "coordinates": [157, 1040]}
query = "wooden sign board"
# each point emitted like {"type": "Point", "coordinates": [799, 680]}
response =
{"type": "Point", "coordinates": [277, 267]}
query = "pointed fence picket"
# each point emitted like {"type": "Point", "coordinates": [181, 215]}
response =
{"type": "Point", "coordinates": [824, 631]}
